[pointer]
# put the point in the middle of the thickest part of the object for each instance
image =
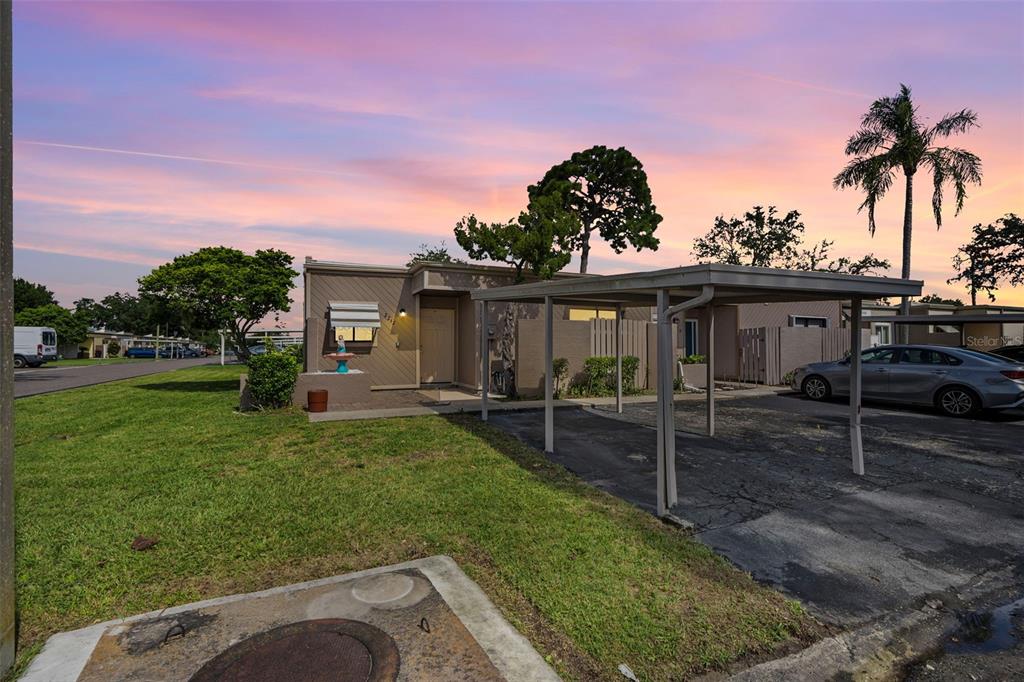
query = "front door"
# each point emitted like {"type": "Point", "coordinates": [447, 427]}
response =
{"type": "Point", "coordinates": [437, 345]}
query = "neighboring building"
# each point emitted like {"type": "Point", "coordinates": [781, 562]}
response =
{"type": "Point", "coordinates": [422, 328]}
{"type": "Point", "coordinates": [98, 343]}
{"type": "Point", "coordinates": [979, 335]}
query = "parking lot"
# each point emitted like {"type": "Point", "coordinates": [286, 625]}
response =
{"type": "Point", "coordinates": [941, 506]}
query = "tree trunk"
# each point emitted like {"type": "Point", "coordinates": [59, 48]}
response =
{"type": "Point", "coordinates": [585, 252]}
{"type": "Point", "coordinates": [908, 228]}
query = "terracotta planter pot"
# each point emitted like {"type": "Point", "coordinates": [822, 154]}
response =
{"type": "Point", "coordinates": [317, 400]}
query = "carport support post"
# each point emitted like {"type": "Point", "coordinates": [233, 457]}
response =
{"type": "Point", "coordinates": [618, 358]}
{"type": "Point", "coordinates": [485, 361]}
{"type": "Point", "coordinates": [667, 495]}
{"type": "Point", "coordinates": [549, 380]}
{"type": "Point", "coordinates": [710, 360]}
{"type": "Point", "coordinates": [856, 445]}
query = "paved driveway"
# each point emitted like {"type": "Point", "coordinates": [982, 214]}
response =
{"type": "Point", "coordinates": [47, 379]}
{"type": "Point", "coordinates": [941, 506]}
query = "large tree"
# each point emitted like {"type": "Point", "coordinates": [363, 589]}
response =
{"type": "Point", "coordinates": [763, 238]}
{"type": "Point", "coordinates": [607, 191]}
{"type": "Point", "coordinates": [31, 295]}
{"type": "Point", "coordinates": [994, 255]}
{"type": "Point", "coordinates": [223, 288]}
{"type": "Point", "coordinates": [891, 139]}
{"type": "Point", "coordinates": [539, 241]}
{"type": "Point", "coordinates": [70, 328]}
{"type": "Point", "coordinates": [135, 314]}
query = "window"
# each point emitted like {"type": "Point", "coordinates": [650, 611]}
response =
{"type": "Point", "coordinates": [691, 339]}
{"type": "Point", "coordinates": [923, 356]}
{"type": "Point", "coordinates": [352, 334]}
{"type": "Point", "coordinates": [587, 314]}
{"type": "Point", "coordinates": [883, 332]}
{"type": "Point", "coordinates": [49, 339]}
{"type": "Point", "coordinates": [807, 321]}
{"type": "Point", "coordinates": [877, 357]}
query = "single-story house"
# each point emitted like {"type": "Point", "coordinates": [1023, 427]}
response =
{"type": "Point", "coordinates": [983, 336]}
{"type": "Point", "coordinates": [416, 326]}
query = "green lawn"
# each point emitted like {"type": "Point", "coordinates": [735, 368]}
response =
{"type": "Point", "coordinates": [244, 502]}
{"type": "Point", "coordinates": [82, 362]}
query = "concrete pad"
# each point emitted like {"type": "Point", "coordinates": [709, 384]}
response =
{"type": "Point", "coordinates": [441, 621]}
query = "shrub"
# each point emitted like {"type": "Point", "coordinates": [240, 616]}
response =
{"type": "Point", "coordinates": [598, 378]}
{"type": "Point", "coordinates": [694, 359]}
{"type": "Point", "coordinates": [296, 351]}
{"type": "Point", "coordinates": [113, 349]}
{"type": "Point", "coordinates": [559, 371]}
{"type": "Point", "coordinates": [272, 378]}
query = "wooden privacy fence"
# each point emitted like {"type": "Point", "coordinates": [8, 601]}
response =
{"type": "Point", "coordinates": [634, 341]}
{"type": "Point", "coordinates": [767, 354]}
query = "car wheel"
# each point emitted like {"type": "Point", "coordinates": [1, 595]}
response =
{"type": "Point", "coordinates": [816, 388]}
{"type": "Point", "coordinates": [19, 362]}
{"type": "Point", "coordinates": [957, 401]}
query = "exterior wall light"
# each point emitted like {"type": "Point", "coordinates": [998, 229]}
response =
{"type": "Point", "coordinates": [401, 313]}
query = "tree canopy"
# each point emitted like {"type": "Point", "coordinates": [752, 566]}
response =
{"type": "Point", "coordinates": [218, 287]}
{"type": "Point", "coordinates": [539, 241]}
{"type": "Point", "coordinates": [994, 256]}
{"type": "Point", "coordinates": [31, 295]}
{"type": "Point", "coordinates": [763, 238]}
{"type": "Point", "coordinates": [427, 253]}
{"type": "Point", "coordinates": [70, 328]}
{"type": "Point", "coordinates": [134, 314]}
{"type": "Point", "coordinates": [935, 298]}
{"type": "Point", "coordinates": [606, 189]}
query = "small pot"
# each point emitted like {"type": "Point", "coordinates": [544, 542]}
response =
{"type": "Point", "coordinates": [317, 400]}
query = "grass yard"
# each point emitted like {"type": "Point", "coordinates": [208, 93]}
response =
{"type": "Point", "coordinates": [244, 502]}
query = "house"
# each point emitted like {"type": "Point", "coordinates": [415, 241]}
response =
{"type": "Point", "coordinates": [416, 326]}
{"type": "Point", "coordinates": [946, 331]}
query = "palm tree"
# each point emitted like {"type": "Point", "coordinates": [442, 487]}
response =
{"type": "Point", "coordinates": [892, 138]}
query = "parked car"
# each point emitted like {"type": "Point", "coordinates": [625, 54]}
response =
{"type": "Point", "coordinates": [1015, 353]}
{"type": "Point", "coordinates": [175, 352]}
{"type": "Point", "coordinates": [140, 352]}
{"type": "Point", "coordinates": [34, 345]}
{"type": "Point", "coordinates": [957, 381]}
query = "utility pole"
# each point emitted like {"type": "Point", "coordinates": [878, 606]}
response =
{"type": "Point", "coordinates": [7, 573]}
{"type": "Point", "coordinates": [222, 349]}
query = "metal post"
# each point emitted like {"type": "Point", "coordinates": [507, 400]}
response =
{"type": "Point", "coordinates": [549, 380]}
{"type": "Point", "coordinates": [7, 582]}
{"type": "Point", "coordinates": [485, 361]}
{"type": "Point", "coordinates": [222, 349]}
{"type": "Point", "coordinates": [710, 359]}
{"type": "Point", "coordinates": [660, 370]}
{"type": "Point", "coordinates": [666, 358]}
{"type": "Point", "coordinates": [856, 444]}
{"type": "Point", "coordinates": [618, 358]}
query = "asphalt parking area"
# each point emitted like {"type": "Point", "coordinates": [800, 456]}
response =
{"type": "Point", "coordinates": [940, 508]}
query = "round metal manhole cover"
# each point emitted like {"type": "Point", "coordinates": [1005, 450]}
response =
{"type": "Point", "coordinates": [326, 650]}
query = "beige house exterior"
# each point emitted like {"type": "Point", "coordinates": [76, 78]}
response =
{"type": "Point", "coordinates": [428, 333]}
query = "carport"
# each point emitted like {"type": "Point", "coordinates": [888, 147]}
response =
{"type": "Point", "coordinates": [953, 320]}
{"type": "Point", "coordinates": [673, 292]}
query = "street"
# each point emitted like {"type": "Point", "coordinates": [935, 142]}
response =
{"type": "Point", "coordinates": [49, 379]}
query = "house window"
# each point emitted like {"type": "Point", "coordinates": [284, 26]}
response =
{"type": "Point", "coordinates": [808, 321]}
{"type": "Point", "coordinates": [691, 346]}
{"type": "Point", "coordinates": [587, 314]}
{"type": "Point", "coordinates": [882, 331]}
{"type": "Point", "coordinates": [351, 334]}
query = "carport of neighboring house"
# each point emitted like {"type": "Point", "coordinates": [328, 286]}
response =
{"type": "Point", "coordinates": [673, 292]}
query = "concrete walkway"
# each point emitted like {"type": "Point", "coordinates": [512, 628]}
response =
{"type": "Point", "coordinates": [54, 378]}
{"type": "Point", "coordinates": [458, 402]}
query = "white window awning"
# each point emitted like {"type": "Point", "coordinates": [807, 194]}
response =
{"type": "Point", "coordinates": [355, 314]}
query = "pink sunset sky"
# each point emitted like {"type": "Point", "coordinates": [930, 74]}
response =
{"type": "Point", "coordinates": [356, 132]}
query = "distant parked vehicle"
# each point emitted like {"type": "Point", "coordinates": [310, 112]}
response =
{"type": "Point", "coordinates": [34, 345]}
{"type": "Point", "coordinates": [140, 352]}
{"type": "Point", "coordinates": [1015, 353]}
{"type": "Point", "coordinates": [191, 353]}
{"type": "Point", "coordinates": [957, 381]}
{"type": "Point", "coordinates": [174, 352]}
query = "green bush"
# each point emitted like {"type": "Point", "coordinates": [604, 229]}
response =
{"type": "Point", "coordinates": [113, 349]}
{"type": "Point", "coordinates": [296, 351]}
{"type": "Point", "coordinates": [272, 378]}
{"type": "Point", "coordinates": [694, 359]}
{"type": "Point", "coordinates": [598, 377]}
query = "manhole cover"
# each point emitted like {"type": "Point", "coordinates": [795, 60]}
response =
{"type": "Point", "coordinates": [327, 650]}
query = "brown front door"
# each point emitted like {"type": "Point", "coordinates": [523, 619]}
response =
{"type": "Point", "coordinates": [437, 345]}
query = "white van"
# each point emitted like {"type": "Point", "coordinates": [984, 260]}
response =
{"type": "Point", "coordinates": [34, 345]}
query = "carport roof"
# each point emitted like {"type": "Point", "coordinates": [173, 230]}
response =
{"type": "Point", "coordinates": [949, 319]}
{"type": "Point", "coordinates": [732, 284]}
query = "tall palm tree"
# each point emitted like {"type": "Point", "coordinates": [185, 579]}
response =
{"type": "Point", "coordinates": [891, 139]}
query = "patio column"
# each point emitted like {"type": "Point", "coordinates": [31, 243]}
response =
{"type": "Point", "coordinates": [856, 445]}
{"type": "Point", "coordinates": [667, 495]}
{"type": "Point", "coordinates": [710, 360]}
{"type": "Point", "coordinates": [485, 361]}
{"type": "Point", "coordinates": [549, 380]}
{"type": "Point", "coordinates": [618, 358]}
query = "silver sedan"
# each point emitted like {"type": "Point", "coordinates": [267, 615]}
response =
{"type": "Point", "coordinates": [957, 381]}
